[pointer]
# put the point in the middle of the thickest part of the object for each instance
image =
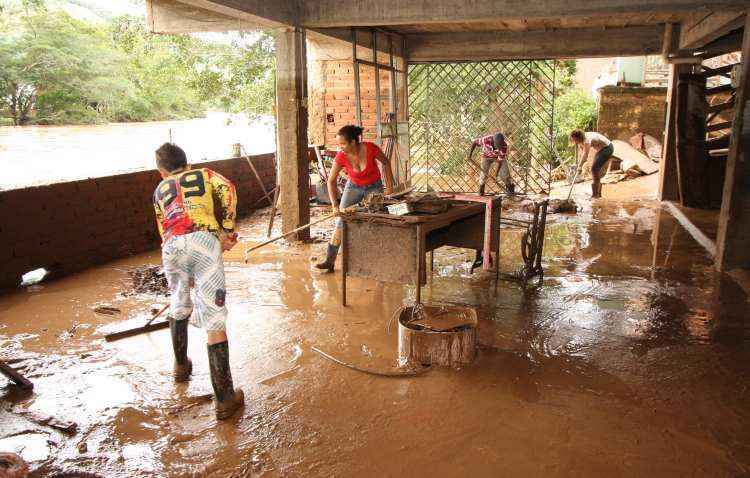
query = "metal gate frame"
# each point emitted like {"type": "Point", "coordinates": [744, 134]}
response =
{"type": "Point", "coordinates": [451, 103]}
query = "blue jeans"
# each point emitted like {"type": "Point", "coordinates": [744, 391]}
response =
{"type": "Point", "coordinates": [353, 194]}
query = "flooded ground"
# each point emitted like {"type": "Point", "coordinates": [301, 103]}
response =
{"type": "Point", "coordinates": [630, 359]}
{"type": "Point", "coordinates": [34, 155]}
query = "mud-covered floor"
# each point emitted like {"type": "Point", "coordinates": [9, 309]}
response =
{"type": "Point", "coordinates": [631, 359]}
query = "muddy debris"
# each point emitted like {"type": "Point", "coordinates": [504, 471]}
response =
{"type": "Point", "coordinates": [107, 310]}
{"type": "Point", "coordinates": [149, 279]}
{"type": "Point", "coordinates": [13, 466]}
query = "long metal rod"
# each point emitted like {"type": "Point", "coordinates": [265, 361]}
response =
{"type": "Point", "coordinates": [357, 99]}
{"type": "Point", "coordinates": [378, 112]}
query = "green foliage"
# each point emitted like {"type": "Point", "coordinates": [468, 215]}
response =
{"type": "Point", "coordinates": [55, 69]}
{"type": "Point", "coordinates": [574, 109]}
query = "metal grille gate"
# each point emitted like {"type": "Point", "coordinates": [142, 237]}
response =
{"type": "Point", "coordinates": [452, 103]}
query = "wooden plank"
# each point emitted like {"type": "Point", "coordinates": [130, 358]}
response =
{"type": "Point", "coordinates": [291, 139]}
{"type": "Point", "coordinates": [720, 71]}
{"type": "Point", "coordinates": [733, 239]}
{"type": "Point", "coordinates": [719, 126]}
{"type": "Point", "coordinates": [717, 143]}
{"type": "Point", "coordinates": [16, 377]}
{"type": "Point", "coordinates": [726, 44]}
{"type": "Point", "coordinates": [718, 108]}
{"type": "Point", "coordinates": [699, 236]}
{"type": "Point", "coordinates": [707, 28]}
{"type": "Point", "coordinates": [501, 45]}
{"type": "Point", "coordinates": [719, 89]}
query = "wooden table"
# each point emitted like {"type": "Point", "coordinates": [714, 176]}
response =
{"type": "Point", "coordinates": [392, 248]}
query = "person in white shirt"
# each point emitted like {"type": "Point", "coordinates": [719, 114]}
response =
{"type": "Point", "coordinates": [604, 150]}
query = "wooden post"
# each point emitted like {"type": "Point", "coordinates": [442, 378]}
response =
{"type": "Point", "coordinates": [291, 121]}
{"type": "Point", "coordinates": [690, 131]}
{"type": "Point", "coordinates": [733, 240]}
{"type": "Point", "coordinates": [668, 187]}
{"type": "Point", "coordinates": [420, 259]}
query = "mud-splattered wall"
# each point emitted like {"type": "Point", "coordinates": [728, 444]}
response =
{"type": "Point", "coordinates": [626, 111]}
{"type": "Point", "coordinates": [68, 227]}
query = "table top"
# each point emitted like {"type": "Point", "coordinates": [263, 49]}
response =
{"type": "Point", "coordinates": [458, 210]}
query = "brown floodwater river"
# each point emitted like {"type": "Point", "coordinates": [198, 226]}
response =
{"type": "Point", "coordinates": [631, 358]}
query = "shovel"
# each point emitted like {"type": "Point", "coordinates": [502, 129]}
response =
{"type": "Point", "coordinates": [149, 327]}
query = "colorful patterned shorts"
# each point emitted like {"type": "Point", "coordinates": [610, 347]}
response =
{"type": "Point", "coordinates": [196, 256]}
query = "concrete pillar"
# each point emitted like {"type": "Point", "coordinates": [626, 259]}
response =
{"type": "Point", "coordinates": [733, 241]}
{"type": "Point", "coordinates": [291, 126]}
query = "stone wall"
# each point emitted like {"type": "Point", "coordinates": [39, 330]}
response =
{"type": "Point", "coordinates": [67, 227]}
{"type": "Point", "coordinates": [625, 111]}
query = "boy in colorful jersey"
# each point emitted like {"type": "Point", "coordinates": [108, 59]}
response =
{"type": "Point", "coordinates": [494, 150]}
{"type": "Point", "coordinates": [193, 241]}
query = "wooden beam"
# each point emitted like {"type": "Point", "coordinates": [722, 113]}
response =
{"type": "Point", "coordinates": [184, 16]}
{"type": "Point", "coordinates": [725, 71]}
{"type": "Point", "coordinates": [580, 43]}
{"type": "Point", "coordinates": [670, 40]}
{"type": "Point", "coordinates": [733, 240]}
{"type": "Point", "coordinates": [718, 108]}
{"type": "Point", "coordinates": [718, 126]}
{"type": "Point", "coordinates": [339, 13]}
{"type": "Point", "coordinates": [726, 44]}
{"type": "Point", "coordinates": [705, 28]}
{"type": "Point", "coordinates": [719, 89]}
{"type": "Point", "coordinates": [291, 126]}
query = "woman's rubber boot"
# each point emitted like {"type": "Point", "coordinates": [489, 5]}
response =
{"type": "Point", "coordinates": [183, 367]}
{"type": "Point", "coordinates": [330, 261]}
{"type": "Point", "coordinates": [481, 190]}
{"type": "Point", "coordinates": [594, 191]}
{"type": "Point", "coordinates": [227, 399]}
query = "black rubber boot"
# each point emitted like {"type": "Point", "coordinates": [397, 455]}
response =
{"type": "Point", "coordinates": [330, 261]}
{"type": "Point", "coordinates": [183, 367]}
{"type": "Point", "coordinates": [511, 188]}
{"type": "Point", "coordinates": [227, 399]}
{"type": "Point", "coordinates": [478, 259]}
{"type": "Point", "coordinates": [481, 190]}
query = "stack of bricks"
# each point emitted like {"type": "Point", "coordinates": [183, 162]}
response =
{"type": "Point", "coordinates": [340, 98]}
{"type": "Point", "coordinates": [627, 111]}
{"type": "Point", "coordinates": [67, 227]}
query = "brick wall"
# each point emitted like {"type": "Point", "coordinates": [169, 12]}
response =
{"type": "Point", "coordinates": [67, 227]}
{"type": "Point", "coordinates": [339, 98]}
{"type": "Point", "coordinates": [625, 111]}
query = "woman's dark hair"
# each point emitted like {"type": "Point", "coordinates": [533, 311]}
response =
{"type": "Point", "coordinates": [577, 135]}
{"type": "Point", "coordinates": [170, 157]}
{"type": "Point", "coordinates": [351, 132]}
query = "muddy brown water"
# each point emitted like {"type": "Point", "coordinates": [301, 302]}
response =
{"type": "Point", "coordinates": [631, 359]}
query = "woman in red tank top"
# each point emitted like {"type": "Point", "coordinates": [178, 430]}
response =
{"type": "Point", "coordinates": [360, 161]}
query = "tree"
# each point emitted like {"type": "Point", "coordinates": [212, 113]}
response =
{"type": "Point", "coordinates": [57, 69]}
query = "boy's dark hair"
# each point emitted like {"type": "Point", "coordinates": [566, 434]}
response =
{"type": "Point", "coordinates": [351, 132]}
{"type": "Point", "coordinates": [577, 135]}
{"type": "Point", "coordinates": [170, 157]}
{"type": "Point", "coordinates": [499, 140]}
